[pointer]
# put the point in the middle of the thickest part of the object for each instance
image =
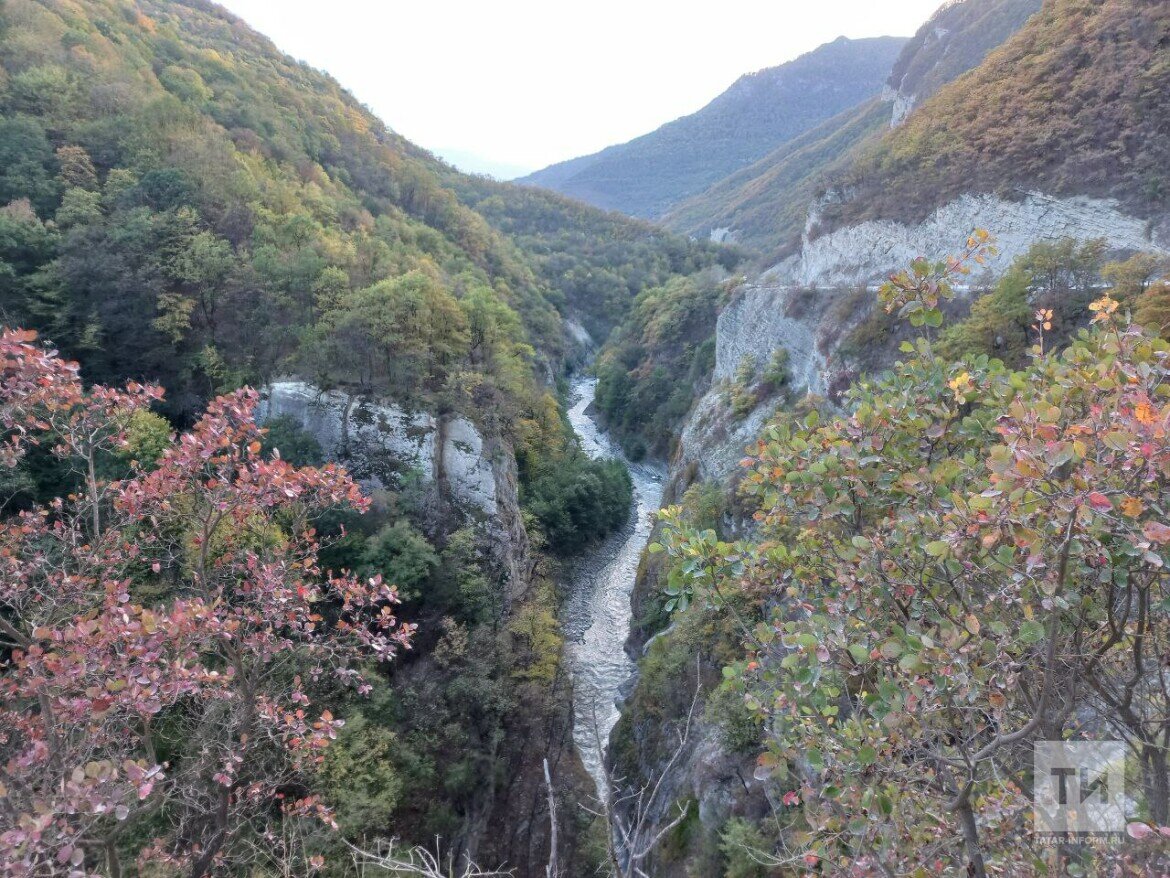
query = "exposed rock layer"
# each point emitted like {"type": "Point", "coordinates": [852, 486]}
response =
{"type": "Point", "coordinates": [384, 445]}
{"type": "Point", "coordinates": [871, 250]}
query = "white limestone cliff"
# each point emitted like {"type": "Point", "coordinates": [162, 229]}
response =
{"type": "Point", "coordinates": [871, 250]}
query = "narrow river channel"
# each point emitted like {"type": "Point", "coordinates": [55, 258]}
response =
{"type": "Point", "coordinates": [598, 612]}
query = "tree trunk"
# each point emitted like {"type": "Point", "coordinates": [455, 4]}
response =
{"type": "Point", "coordinates": [1156, 779]}
{"type": "Point", "coordinates": [975, 865]}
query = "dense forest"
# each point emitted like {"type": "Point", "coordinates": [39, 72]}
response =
{"type": "Point", "coordinates": [181, 205]}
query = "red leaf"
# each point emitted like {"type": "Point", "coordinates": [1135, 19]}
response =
{"type": "Point", "coordinates": [1100, 502]}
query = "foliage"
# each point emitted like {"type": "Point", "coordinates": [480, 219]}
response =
{"type": "Point", "coordinates": [1131, 278]}
{"type": "Point", "coordinates": [400, 554]}
{"type": "Point", "coordinates": [738, 840]}
{"type": "Point", "coordinates": [596, 263]}
{"type": "Point", "coordinates": [1073, 103]}
{"type": "Point", "coordinates": [653, 366]}
{"type": "Point", "coordinates": [284, 435]}
{"type": "Point", "coordinates": [163, 634]}
{"type": "Point", "coordinates": [1058, 278]}
{"type": "Point", "coordinates": [579, 500]}
{"type": "Point", "coordinates": [1153, 309]}
{"type": "Point", "coordinates": [966, 562]}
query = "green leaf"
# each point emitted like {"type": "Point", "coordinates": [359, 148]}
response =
{"type": "Point", "coordinates": [1031, 631]}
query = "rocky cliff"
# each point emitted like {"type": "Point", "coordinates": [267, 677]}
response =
{"type": "Point", "coordinates": [765, 316]}
{"type": "Point", "coordinates": [870, 250]}
{"type": "Point", "coordinates": [384, 445]}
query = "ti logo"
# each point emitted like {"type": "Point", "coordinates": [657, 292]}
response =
{"type": "Point", "coordinates": [1079, 788]}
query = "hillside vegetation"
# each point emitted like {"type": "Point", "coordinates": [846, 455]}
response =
{"type": "Point", "coordinates": [956, 39]}
{"type": "Point", "coordinates": [758, 113]}
{"type": "Point", "coordinates": [182, 204]}
{"type": "Point", "coordinates": [766, 204]}
{"type": "Point", "coordinates": [1075, 103]}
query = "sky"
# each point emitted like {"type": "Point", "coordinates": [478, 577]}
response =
{"type": "Point", "coordinates": [509, 86]}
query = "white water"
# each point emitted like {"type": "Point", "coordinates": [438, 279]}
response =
{"type": "Point", "coordinates": [598, 611]}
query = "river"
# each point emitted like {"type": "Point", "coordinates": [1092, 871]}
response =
{"type": "Point", "coordinates": [598, 612]}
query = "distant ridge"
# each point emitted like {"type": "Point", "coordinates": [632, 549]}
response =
{"type": "Point", "coordinates": [758, 113]}
{"type": "Point", "coordinates": [764, 207]}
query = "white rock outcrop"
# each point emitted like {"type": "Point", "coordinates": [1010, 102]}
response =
{"type": "Point", "coordinates": [871, 250]}
{"type": "Point", "coordinates": [384, 444]}
{"type": "Point", "coordinates": [902, 105]}
{"type": "Point", "coordinates": [761, 319]}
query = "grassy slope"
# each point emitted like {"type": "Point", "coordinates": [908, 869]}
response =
{"type": "Point", "coordinates": [1077, 102]}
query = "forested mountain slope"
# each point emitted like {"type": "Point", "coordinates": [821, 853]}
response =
{"type": "Point", "coordinates": [1074, 106]}
{"type": "Point", "coordinates": [764, 207]}
{"type": "Point", "coordinates": [1075, 103]}
{"type": "Point", "coordinates": [181, 203]}
{"type": "Point", "coordinates": [954, 40]}
{"type": "Point", "coordinates": [757, 114]}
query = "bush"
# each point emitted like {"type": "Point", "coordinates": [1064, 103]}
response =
{"type": "Point", "coordinates": [580, 500]}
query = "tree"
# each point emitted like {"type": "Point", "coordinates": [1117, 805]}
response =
{"type": "Point", "coordinates": [968, 561]}
{"type": "Point", "coordinates": [164, 634]}
{"type": "Point", "coordinates": [1153, 308]}
{"type": "Point", "coordinates": [1131, 278]}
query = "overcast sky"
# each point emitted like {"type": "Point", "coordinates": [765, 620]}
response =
{"type": "Point", "coordinates": [505, 86]}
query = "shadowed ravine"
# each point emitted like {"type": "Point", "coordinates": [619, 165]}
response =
{"type": "Point", "coordinates": [597, 617]}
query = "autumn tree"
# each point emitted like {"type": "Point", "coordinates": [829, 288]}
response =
{"type": "Point", "coordinates": [165, 635]}
{"type": "Point", "coordinates": [969, 560]}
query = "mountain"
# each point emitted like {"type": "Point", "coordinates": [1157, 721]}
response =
{"type": "Point", "coordinates": [956, 39]}
{"type": "Point", "coordinates": [760, 111]}
{"type": "Point", "coordinates": [1058, 133]}
{"type": "Point", "coordinates": [764, 207]}
{"type": "Point", "coordinates": [182, 203]}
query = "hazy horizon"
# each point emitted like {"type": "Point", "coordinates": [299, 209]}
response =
{"type": "Point", "coordinates": [548, 83]}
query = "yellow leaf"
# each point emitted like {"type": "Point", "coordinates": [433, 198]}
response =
{"type": "Point", "coordinates": [1132, 507]}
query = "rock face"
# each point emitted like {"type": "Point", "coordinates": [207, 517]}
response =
{"type": "Point", "coordinates": [386, 446]}
{"type": "Point", "coordinates": [871, 250]}
{"type": "Point", "coordinates": [383, 444]}
{"type": "Point", "coordinates": [763, 318]}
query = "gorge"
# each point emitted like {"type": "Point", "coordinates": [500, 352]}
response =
{"type": "Point", "coordinates": [356, 511]}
